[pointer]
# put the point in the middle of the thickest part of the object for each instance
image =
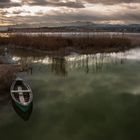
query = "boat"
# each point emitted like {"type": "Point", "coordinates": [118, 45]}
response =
{"type": "Point", "coordinates": [21, 94]}
{"type": "Point", "coordinates": [23, 115]}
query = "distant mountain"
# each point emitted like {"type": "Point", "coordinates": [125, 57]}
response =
{"type": "Point", "coordinates": [76, 26]}
{"type": "Point", "coordinates": [106, 27]}
{"type": "Point", "coordinates": [80, 23]}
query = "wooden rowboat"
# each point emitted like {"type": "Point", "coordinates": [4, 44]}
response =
{"type": "Point", "coordinates": [21, 94]}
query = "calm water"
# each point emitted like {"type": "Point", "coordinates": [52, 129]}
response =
{"type": "Point", "coordinates": [77, 97]}
{"type": "Point", "coordinates": [76, 34]}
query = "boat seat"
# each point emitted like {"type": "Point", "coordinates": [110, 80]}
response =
{"type": "Point", "coordinates": [21, 96]}
{"type": "Point", "coordinates": [15, 91]}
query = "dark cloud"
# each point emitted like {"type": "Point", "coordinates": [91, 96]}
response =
{"type": "Point", "coordinates": [56, 3]}
{"type": "Point", "coordinates": [112, 1]}
{"type": "Point", "coordinates": [78, 2]}
{"type": "Point", "coordinates": [60, 3]}
{"type": "Point", "coordinates": [3, 1]}
{"type": "Point", "coordinates": [8, 3]}
{"type": "Point", "coordinates": [69, 4]}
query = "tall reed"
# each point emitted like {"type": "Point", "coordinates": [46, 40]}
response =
{"type": "Point", "coordinates": [52, 43]}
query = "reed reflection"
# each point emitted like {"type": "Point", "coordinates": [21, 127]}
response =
{"type": "Point", "coordinates": [94, 62]}
{"type": "Point", "coordinates": [58, 66]}
{"type": "Point", "coordinates": [61, 65]}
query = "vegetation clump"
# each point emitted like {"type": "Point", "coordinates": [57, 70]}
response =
{"type": "Point", "coordinates": [59, 43]}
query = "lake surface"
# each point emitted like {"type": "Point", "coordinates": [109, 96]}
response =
{"type": "Point", "coordinates": [75, 34]}
{"type": "Point", "coordinates": [77, 97]}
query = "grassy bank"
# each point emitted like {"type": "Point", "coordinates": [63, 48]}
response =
{"type": "Point", "coordinates": [82, 44]}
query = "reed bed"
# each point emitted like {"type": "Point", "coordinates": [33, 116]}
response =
{"type": "Point", "coordinates": [52, 43]}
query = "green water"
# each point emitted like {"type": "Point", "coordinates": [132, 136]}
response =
{"type": "Point", "coordinates": [86, 97]}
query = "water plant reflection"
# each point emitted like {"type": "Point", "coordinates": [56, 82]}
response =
{"type": "Point", "coordinates": [61, 65]}
{"type": "Point", "coordinates": [58, 66]}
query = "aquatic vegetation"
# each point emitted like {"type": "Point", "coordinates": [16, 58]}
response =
{"type": "Point", "coordinates": [65, 44]}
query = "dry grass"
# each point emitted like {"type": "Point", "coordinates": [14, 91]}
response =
{"type": "Point", "coordinates": [51, 43]}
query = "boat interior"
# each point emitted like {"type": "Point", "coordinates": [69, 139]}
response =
{"type": "Point", "coordinates": [21, 92]}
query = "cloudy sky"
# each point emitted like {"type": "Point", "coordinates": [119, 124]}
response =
{"type": "Point", "coordinates": [61, 12]}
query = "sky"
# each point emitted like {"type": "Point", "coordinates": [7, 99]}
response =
{"type": "Point", "coordinates": [63, 12]}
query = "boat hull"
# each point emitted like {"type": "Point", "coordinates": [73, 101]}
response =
{"type": "Point", "coordinates": [24, 115]}
{"type": "Point", "coordinates": [22, 107]}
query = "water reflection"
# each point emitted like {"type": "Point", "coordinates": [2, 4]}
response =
{"type": "Point", "coordinates": [98, 98]}
{"type": "Point", "coordinates": [71, 34]}
{"type": "Point", "coordinates": [26, 64]}
{"type": "Point", "coordinates": [58, 66]}
{"type": "Point", "coordinates": [4, 99]}
{"type": "Point", "coordinates": [61, 65]}
{"type": "Point", "coordinates": [24, 115]}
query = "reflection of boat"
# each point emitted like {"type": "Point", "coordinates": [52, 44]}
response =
{"type": "Point", "coordinates": [24, 115]}
{"type": "Point", "coordinates": [21, 94]}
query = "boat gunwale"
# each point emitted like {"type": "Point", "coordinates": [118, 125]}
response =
{"type": "Point", "coordinates": [29, 89]}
